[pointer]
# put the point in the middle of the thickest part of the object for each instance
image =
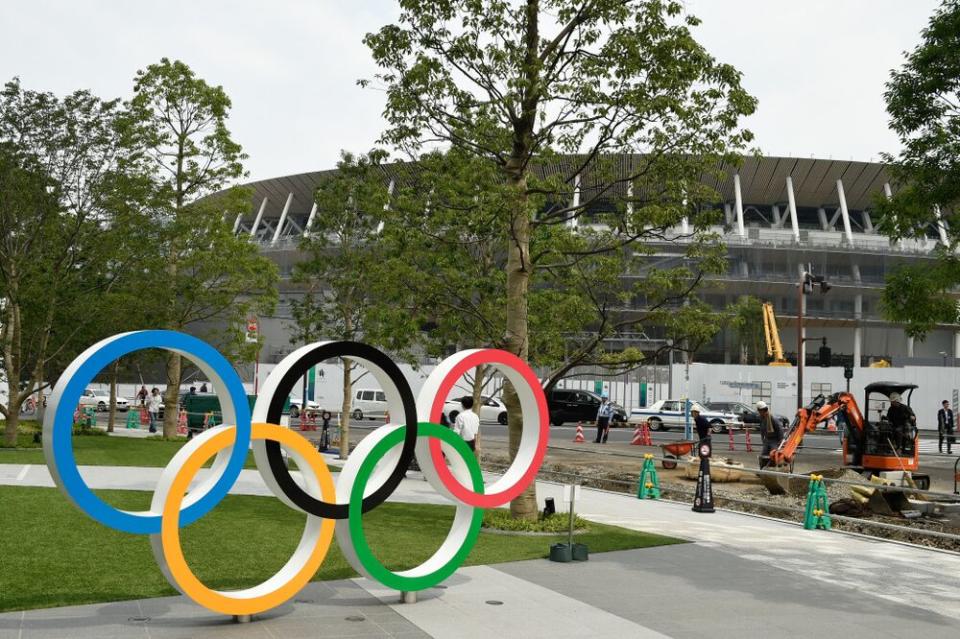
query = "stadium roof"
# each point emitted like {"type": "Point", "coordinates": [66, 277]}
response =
{"type": "Point", "coordinates": [762, 181]}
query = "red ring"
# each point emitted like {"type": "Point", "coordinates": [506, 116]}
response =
{"type": "Point", "coordinates": [461, 492]}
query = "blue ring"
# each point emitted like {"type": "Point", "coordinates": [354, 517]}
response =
{"type": "Point", "coordinates": [62, 446]}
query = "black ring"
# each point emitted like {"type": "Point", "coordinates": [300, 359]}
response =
{"type": "Point", "coordinates": [278, 466]}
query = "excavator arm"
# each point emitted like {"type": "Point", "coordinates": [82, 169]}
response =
{"type": "Point", "coordinates": [819, 410]}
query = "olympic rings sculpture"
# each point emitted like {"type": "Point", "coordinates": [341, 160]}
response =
{"type": "Point", "coordinates": [369, 476]}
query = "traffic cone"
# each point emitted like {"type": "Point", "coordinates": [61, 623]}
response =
{"type": "Point", "coordinates": [647, 440]}
{"type": "Point", "coordinates": [579, 437]}
{"type": "Point", "coordinates": [832, 425]}
{"type": "Point", "coordinates": [703, 498]}
{"type": "Point", "coordinates": [817, 513]}
{"type": "Point", "coordinates": [182, 422]}
{"type": "Point", "coordinates": [648, 486]}
{"type": "Point", "coordinates": [637, 437]}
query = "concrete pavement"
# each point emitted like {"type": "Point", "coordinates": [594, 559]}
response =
{"type": "Point", "coordinates": [743, 576]}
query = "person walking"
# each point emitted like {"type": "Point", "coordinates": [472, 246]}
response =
{"type": "Point", "coordinates": [467, 423]}
{"type": "Point", "coordinates": [604, 413]}
{"type": "Point", "coordinates": [153, 408]}
{"type": "Point", "coordinates": [700, 423]}
{"type": "Point", "coordinates": [770, 432]}
{"type": "Point", "coordinates": [945, 427]}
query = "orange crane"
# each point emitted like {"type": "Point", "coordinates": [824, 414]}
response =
{"type": "Point", "coordinates": [873, 446]}
{"type": "Point", "coordinates": [772, 335]}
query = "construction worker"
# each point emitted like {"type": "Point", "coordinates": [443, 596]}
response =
{"type": "Point", "coordinates": [901, 419]}
{"type": "Point", "coordinates": [700, 423]}
{"type": "Point", "coordinates": [770, 432]}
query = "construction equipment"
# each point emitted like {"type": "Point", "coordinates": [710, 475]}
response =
{"type": "Point", "coordinates": [876, 447]}
{"type": "Point", "coordinates": [772, 336]}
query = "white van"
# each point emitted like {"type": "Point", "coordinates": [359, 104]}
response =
{"type": "Point", "coordinates": [369, 404]}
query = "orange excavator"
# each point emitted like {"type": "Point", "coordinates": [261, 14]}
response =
{"type": "Point", "coordinates": [872, 447]}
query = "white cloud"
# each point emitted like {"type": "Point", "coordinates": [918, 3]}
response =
{"type": "Point", "coordinates": [291, 66]}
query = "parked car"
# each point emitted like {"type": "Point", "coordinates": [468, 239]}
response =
{"type": "Point", "coordinates": [101, 400]}
{"type": "Point", "coordinates": [744, 412]}
{"type": "Point", "coordinates": [369, 404]}
{"type": "Point", "coordinates": [669, 413]}
{"type": "Point", "coordinates": [571, 405]}
{"type": "Point", "coordinates": [491, 409]}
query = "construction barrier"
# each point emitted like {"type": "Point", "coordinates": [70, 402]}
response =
{"type": "Point", "coordinates": [648, 486]}
{"type": "Point", "coordinates": [133, 419]}
{"type": "Point", "coordinates": [578, 439]}
{"type": "Point", "coordinates": [817, 513]}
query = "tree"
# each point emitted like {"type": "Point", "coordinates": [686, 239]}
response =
{"type": "Point", "coordinates": [746, 317]}
{"type": "Point", "coordinates": [923, 101]}
{"type": "Point", "coordinates": [344, 272]}
{"type": "Point", "coordinates": [201, 270]}
{"type": "Point", "coordinates": [65, 204]}
{"type": "Point", "coordinates": [616, 97]}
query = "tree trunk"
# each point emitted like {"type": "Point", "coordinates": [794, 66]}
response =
{"type": "Point", "coordinates": [171, 397]}
{"type": "Point", "coordinates": [345, 410]}
{"type": "Point", "coordinates": [478, 380]}
{"type": "Point", "coordinates": [111, 421]}
{"type": "Point", "coordinates": [11, 360]}
{"type": "Point", "coordinates": [518, 284]}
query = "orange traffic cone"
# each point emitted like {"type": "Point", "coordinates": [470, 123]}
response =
{"type": "Point", "coordinates": [579, 438]}
{"type": "Point", "coordinates": [637, 436]}
{"type": "Point", "coordinates": [832, 425]}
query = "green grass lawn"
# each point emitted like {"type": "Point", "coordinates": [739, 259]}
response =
{"type": "Point", "coordinates": [112, 451]}
{"type": "Point", "coordinates": [53, 555]}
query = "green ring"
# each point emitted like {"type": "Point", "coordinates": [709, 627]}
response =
{"type": "Point", "coordinates": [377, 570]}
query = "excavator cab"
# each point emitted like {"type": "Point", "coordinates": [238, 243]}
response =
{"type": "Point", "coordinates": [881, 444]}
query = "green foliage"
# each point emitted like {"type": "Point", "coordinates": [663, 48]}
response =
{"type": "Point", "coordinates": [746, 317]}
{"type": "Point", "coordinates": [923, 100]}
{"type": "Point", "coordinates": [559, 523]}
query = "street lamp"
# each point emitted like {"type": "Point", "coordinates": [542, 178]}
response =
{"type": "Point", "coordinates": [805, 287]}
{"type": "Point", "coordinates": [944, 354]}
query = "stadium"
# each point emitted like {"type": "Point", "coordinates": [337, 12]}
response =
{"type": "Point", "coordinates": [781, 216]}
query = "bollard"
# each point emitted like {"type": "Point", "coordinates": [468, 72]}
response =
{"type": "Point", "coordinates": [703, 498]}
{"type": "Point", "coordinates": [746, 438]}
{"type": "Point", "coordinates": [730, 434]}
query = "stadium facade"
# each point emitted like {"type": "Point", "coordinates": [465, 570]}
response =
{"type": "Point", "coordinates": [780, 216]}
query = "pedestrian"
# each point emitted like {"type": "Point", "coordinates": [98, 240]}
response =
{"type": "Point", "coordinates": [770, 432]}
{"type": "Point", "coordinates": [700, 423]}
{"type": "Point", "coordinates": [467, 423]}
{"type": "Point", "coordinates": [945, 427]}
{"type": "Point", "coordinates": [142, 395]}
{"type": "Point", "coordinates": [203, 387]}
{"type": "Point", "coordinates": [603, 420]}
{"type": "Point", "coordinates": [193, 390]}
{"type": "Point", "coordinates": [153, 408]}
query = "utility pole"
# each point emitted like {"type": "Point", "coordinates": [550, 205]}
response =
{"type": "Point", "coordinates": [804, 287]}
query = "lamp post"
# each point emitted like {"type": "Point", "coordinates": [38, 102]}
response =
{"type": "Point", "coordinates": [804, 287]}
{"type": "Point", "coordinates": [944, 354]}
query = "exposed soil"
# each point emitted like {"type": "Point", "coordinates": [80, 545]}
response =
{"type": "Point", "coordinates": [618, 472]}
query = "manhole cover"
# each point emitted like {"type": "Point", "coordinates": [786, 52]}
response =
{"type": "Point", "coordinates": [138, 619]}
{"type": "Point", "coordinates": [494, 602]}
{"type": "Point", "coordinates": [356, 618]}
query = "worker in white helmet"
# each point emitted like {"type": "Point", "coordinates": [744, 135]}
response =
{"type": "Point", "coordinates": [770, 432]}
{"type": "Point", "coordinates": [902, 421]}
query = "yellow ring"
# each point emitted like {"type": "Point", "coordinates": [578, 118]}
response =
{"type": "Point", "coordinates": [223, 602]}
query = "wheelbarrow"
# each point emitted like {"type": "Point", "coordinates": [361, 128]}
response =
{"type": "Point", "coordinates": [675, 450]}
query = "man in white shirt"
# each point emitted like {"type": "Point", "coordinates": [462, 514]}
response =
{"type": "Point", "coordinates": [467, 424]}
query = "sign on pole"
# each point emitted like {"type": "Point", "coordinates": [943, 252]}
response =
{"type": "Point", "coordinates": [253, 331]}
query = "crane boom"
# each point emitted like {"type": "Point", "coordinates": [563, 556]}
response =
{"type": "Point", "coordinates": [820, 410]}
{"type": "Point", "coordinates": [772, 335]}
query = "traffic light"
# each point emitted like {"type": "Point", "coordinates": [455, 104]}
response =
{"type": "Point", "coordinates": [825, 354]}
{"type": "Point", "coordinates": [848, 371]}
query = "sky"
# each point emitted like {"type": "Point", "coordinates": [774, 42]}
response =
{"type": "Point", "coordinates": [290, 67]}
